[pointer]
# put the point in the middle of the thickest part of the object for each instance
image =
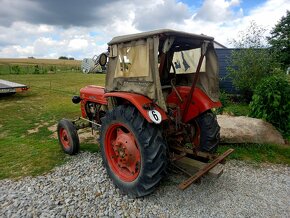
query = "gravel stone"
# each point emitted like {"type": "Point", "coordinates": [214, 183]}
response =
{"type": "Point", "coordinates": [81, 188]}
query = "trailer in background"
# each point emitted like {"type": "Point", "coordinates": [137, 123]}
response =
{"type": "Point", "coordinates": [7, 87]}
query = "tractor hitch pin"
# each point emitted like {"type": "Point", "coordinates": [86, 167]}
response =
{"type": "Point", "coordinates": [99, 125]}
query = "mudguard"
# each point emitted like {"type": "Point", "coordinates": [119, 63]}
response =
{"type": "Point", "coordinates": [199, 104]}
{"type": "Point", "coordinates": [142, 103]}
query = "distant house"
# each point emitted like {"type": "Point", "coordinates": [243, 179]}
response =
{"type": "Point", "coordinates": [224, 56]}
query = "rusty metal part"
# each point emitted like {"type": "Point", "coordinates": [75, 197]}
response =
{"type": "Point", "coordinates": [190, 151]}
{"type": "Point", "coordinates": [78, 124]}
{"type": "Point", "coordinates": [189, 97]}
{"type": "Point", "coordinates": [174, 88]}
{"type": "Point", "coordinates": [185, 184]}
{"type": "Point", "coordinates": [99, 125]}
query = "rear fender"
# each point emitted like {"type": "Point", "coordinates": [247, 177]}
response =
{"type": "Point", "coordinates": [200, 102]}
{"type": "Point", "coordinates": [142, 103]}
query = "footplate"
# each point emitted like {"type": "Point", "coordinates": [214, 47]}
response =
{"type": "Point", "coordinates": [204, 170]}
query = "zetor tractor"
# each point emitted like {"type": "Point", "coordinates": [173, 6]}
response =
{"type": "Point", "coordinates": [155, 108]}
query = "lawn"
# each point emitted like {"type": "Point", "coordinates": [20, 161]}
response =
{"type": "Point", "coordinates": [47, 101]}
{"type": "Point", "coordinates": [36, 66]}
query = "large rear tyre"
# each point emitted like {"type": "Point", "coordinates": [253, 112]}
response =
{"type": "Point", "coordinates": [133, 151]}
{"type": "Point", "coordinates": [68, 137]}
{"type": "Point", "coordinates": [209, 132]}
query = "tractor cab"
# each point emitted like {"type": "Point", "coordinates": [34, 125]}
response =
{"type": "Point", "coordinates": [155, 63]}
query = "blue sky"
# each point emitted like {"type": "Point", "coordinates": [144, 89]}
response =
{"type": "Point", "coordinates": [248, 4]}
{"type": "Point", "coordinates": [49, 29]}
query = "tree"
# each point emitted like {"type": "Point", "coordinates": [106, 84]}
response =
{"type": "Point", "coordinates": [63, 58]}
{"type": "Point", "coordinates": [280, 41]}
{"type": "Point", "coordinates": [251, 62]}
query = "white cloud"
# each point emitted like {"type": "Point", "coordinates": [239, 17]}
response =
{"type": "Point", "coordinates": [159, 14]}
{"type": "Point", "coordinates": [44, 28]}
{"type": "Point", "coordinates": [221, 19]}
{"type": "Point", "coordinates": [77, 44]}
{"type": "Point", "coordinates": [24, 51]}
{"type": "Point", "coordinates": [265, 15]}
{"type": "Point", "coordinates": [218, 10]}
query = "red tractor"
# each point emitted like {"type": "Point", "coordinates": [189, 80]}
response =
{"type": "Point", "coordinates": [155, 108]}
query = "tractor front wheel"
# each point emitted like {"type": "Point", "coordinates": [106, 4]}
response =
{"type": "Point", "coordinates": [68, 137]}
{"type": "Point", "coordinates": [133, 151]}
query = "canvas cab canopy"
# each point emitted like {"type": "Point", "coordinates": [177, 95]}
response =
{"type": "Point", "coordinates": [144, 63]}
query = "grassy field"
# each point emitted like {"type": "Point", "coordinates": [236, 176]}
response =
{"type": "Point", "coordinates": [48, 100]}
{"type": "Point", "coordinates": [33, 61]}
{"type": "Point", "coordinates": [36, 66]}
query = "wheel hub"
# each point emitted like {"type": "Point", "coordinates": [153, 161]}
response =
{"type": "Point", "coordinates": [126, 151]}
{"type": "Point", "coordinates": [123, 154]}
{"type": "Point", "coordinates": [64, 138]}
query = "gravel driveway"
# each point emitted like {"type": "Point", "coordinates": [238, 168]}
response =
{"type": "Point", "coordinates": [81, 188]}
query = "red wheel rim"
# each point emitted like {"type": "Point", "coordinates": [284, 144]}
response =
{"type": "Point", "coordinates": [64, 138]}
{"type": "Point", "coordinates": [122, 152]}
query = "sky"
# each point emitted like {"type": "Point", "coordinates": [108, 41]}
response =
{"type": "Point", "coordinates": [82, 29]}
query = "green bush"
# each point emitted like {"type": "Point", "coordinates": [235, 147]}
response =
{"type": "Point", "coordinates": [16, 69]}
{"type": "Point", "coordinates": [36, 69]}
{"type": "Point", "coordinates": [247, 68]}
{"type": "Point", "coordinates": [271, 102]}
{"type": "Point", "coordinates": [224, 99]}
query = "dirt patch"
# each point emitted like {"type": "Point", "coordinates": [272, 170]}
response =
{"type": "Point", "coordinates": [53, 129]}
{"type": "Point", "coordinates": [3, 134]}
{"type": "Point", "coordinates": [36, 129]}
{"type": "Point", "coordinates": [85, 135]}
{"type": "Point", "coordinates": [7, 105]}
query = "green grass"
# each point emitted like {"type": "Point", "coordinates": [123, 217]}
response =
{"type": "Point", "coordinates": [232, 105]}
{"type": "Point", "coordinates": [47, 101]}
{"type": "Point", "coordinates": [237, 109]}
{"type": "Point", "coordinates": [35, 69]}
{"type": "Point", "coordinates": [259, 153]}
{"type": "Point", "coordinates": [36, 66]}
{"type": "Point", "coordinates": [254, 152]}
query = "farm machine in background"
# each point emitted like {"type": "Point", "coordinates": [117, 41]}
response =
{"type": "Point", "coordinates": [154, 111]}
{"type": "Point", "coordinates": [92, 65]}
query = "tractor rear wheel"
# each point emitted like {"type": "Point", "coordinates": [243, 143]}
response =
{"type": "Point", "coordinates": [209, 132]}
{"type": "Point", "coordinates": [68, 137]}
{"type": "Point", "coordinates": [133, 151]}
